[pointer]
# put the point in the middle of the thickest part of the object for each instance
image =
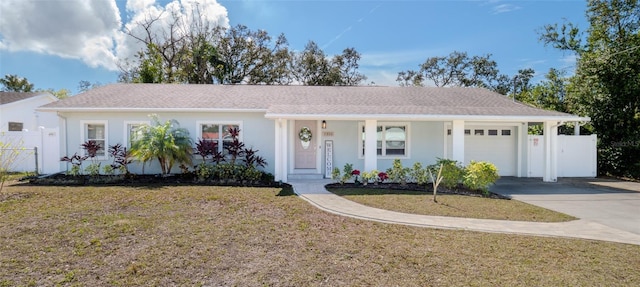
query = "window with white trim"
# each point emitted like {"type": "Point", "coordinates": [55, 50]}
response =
{"type": "Point", "coordinates": [96, 131]}
{"type": "Point", "coordinates": [391, 140]}
{"type": "Point", "coordinates": [130, 128]}
{"type": "Point", "coordinates": [218, 132]}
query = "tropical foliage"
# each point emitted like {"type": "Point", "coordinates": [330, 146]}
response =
{"type": "Point", "coordinates": [167, 142]}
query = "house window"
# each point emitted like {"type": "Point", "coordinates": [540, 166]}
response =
{"type": "Point", "coordinates": [15, 126]}
{"type": "Point", "coordinates": [467, 132]}
{"type": "Point", "coordinates": [478, 132]}
{"type": "Point", "coordinates": [130, 129]}
{"type": "Point", "coordinates": [96, 131]}
{"type": "Point", "coordinates": [493, 132]}
{"type": "Point", "coordinates": [391, 140]}
{"type": "Point", "coordinates": [506, 132]}
{"type": "Point", "coordinates": [218, 132]}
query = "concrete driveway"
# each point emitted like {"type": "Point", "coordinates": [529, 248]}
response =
{"type": "Point", "coordinates": [613, 203]}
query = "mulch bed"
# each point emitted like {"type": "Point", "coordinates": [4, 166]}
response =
{"type": "Point", "coordinates": [395, 188]}
{"type": "Point", "coordinates": [62, 179]}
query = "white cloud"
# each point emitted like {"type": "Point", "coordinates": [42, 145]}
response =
{"type": "Point", "coordinates": [89, 30]}
{"type": "Point", "coordinates": [210, 11]}
{"type": "Point", "coordinates": [70, 29]}
{"type": "Point", "coordinates": [505, 8]}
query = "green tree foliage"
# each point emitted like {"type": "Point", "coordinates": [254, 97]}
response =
{"type": "Point", "coordinates": [247, 56]}
{"type": "Point", "coordinates": [60, 94]}
{"type": "Point", "coordinates": [457, 69]}
{"type": "Point", "coordinates": [167, 142]}
{"type": "Point", "coordinates": [190, 50]}
{"type": "Point", "coordinates": [314, 68]}
{"type": "Point", "coordinates": [85, 85]}
{"type": "Point", "coordinates": [548, 94]}
{"type": "Point", "coordinates": [606, 85]}
{"type": "Point", "coordinates": [14, 83]}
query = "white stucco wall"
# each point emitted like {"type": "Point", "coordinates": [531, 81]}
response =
{"type": "Point", "coordinates": [25, 112]}
{"type": "Point", "coordinates": [425, 144]}
{"type": "Point", "coordinates": [256, 132]}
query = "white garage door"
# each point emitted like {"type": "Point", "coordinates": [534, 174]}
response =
{"type": "Point", "coordinates": [497, 145]}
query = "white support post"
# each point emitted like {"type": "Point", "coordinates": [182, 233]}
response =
{"type": "Point", "coordinates": [576, 129]}
{"type": "Point", "coordinates": [370, 145]}
{"type": "Point", "coordinates": [520, 148]}
{"type": "Point", "coordinates": [550, 131]}
{"type": "Point", "coordinates": [457, 141]}
{"type": "Point", "coordinates": [281, 166]}
{"type": "Point", "coordinates": [278, 150]}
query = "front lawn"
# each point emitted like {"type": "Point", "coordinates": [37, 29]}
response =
{"type": "Point", "coordinates": [226, 236]}
{"type": "Point", "coordinates": [421, 202]}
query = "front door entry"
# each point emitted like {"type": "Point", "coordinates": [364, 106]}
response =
{"type": "Point", "coordinates": [305, 138]}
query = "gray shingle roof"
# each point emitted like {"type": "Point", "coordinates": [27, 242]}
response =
{"type": "Point", "coordinates": [10, 97]}
{"type": "Point", "coordinates": [296, 101]}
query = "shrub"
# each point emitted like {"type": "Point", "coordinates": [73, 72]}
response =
{"type": "Point", "coordinates": [347, 171]}
{"type": "Point", "coordinates": [480, 175]}
{"type": "Point", "coordinates": [398, 173]}
{"type": "Point", "coordinates": [91, 149]}
{"type": "Point", "coordinates": [121, 159]}
{"type": "Point", "coordinates": [76, 161]}
{"type": "Point", "coordinates": [418, 174]}
{"type": "Point", "coordinates": [452, 172]}
{"type": "Point", "coordinates": [367, 176]}
{"type": "Point", "coordinates": [382, 176]}
{"type": "Point", "coordinates": [108, 169]}
{"type": "Point", "coordinates": [93, 169]}
{"type": "Point", "coordinates": [335, 174]}
{"type": "Point", "coordinates": [355, 173]}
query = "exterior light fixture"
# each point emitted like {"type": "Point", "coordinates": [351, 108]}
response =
{"type": "Point", "coordinates": [324, 124]}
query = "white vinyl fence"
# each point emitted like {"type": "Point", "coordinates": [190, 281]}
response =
{"type": "Point", "coordinates": [577, 156]}
{"type": "Point", "coordinates": [38, 150]}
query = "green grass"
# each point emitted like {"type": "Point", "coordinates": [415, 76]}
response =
{"type": "Point", "coordinates": [224, 236]}
{"type": "Point", "coordinates": [421, 202]}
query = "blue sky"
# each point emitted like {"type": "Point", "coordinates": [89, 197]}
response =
{"type": "Point", "coordinates": [57, 43]}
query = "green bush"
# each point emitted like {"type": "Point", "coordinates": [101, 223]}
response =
{"type": "Point", "coordinates": [480, 175]}
{"type": "Point", "coordinates": [452, 172]}
{"type": "Point", "coordinates": [418, 174]}
{"type": "Point", "coordinates": [93, 169]}
{"type": "Point", "coordinates": [347, 170]}
{"type": "Point", "coordinates": [335, 174]}
{"type": "Point", "coordinates": [397, 173]}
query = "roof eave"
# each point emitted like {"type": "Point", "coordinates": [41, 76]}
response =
{"type": "Point", "coordinates": [149, 110]}
{"type": "Point", "coordinates": [405, 117]}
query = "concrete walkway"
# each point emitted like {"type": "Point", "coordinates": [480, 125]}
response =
{"type": "Point", "coordinates": [314, 192]}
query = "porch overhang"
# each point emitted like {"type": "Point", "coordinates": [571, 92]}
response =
{"type": "Point", "coordinates": [426, 117]}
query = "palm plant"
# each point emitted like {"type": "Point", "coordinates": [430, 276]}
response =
{"type": "Point", "coordinates": [166, 142]}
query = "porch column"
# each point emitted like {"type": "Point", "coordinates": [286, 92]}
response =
{"type": "Point", "coordinates": [280, 156]}
{"type": "Point", "coordinates": [370, 145]}
{"type": "Point", "coordinates": [457, 141]}
{"type": "Point", "coordinates": [550, 131]}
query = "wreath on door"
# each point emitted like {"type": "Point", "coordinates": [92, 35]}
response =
{"type": "Point", "coordinates": [305, 134]}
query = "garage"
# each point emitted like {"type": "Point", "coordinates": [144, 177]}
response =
{"type": "Point", "coordinates": [495, 144]}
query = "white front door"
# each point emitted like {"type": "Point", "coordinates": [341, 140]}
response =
{"type": "Point", "coordinates": [305, 137]}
